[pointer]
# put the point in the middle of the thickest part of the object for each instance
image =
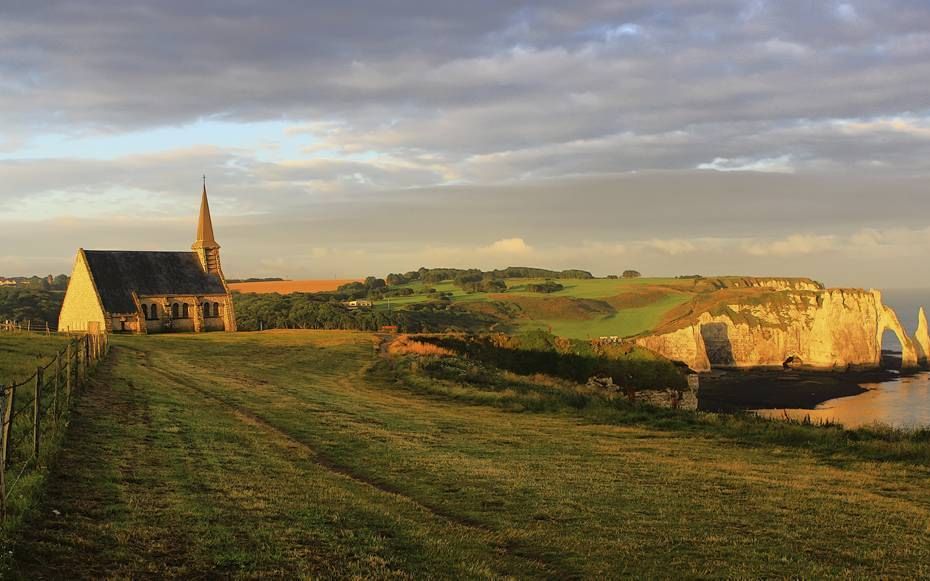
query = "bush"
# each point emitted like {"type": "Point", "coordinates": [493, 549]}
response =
{"type": "Point", "coordinates": [545, 287]}
{"type": "Point", "coordinates": [541, 352]}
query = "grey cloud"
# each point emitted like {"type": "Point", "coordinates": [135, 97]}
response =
{"type": "Point", "coordinates": [132, 64]}
{"type": "Point", "coordinates": [562, 120]}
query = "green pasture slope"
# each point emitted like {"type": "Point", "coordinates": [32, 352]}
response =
{"type": "Point", "coordinates": [306, 454]}
{"type": "Point", "coordinates": [621, 320]}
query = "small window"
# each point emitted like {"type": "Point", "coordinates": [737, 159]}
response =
{"type": "Point", "coordinates": [145, 311]}
{"type": "Point", "coordinates": [206, 310]}
{"type": "Point", "coordinates": [185, 309]}
{"type": "Point", "coordinates": [174, 311]}
{"type": "Point", "coordinates": [216, 309]}
{"type": "Point", "coordinates": [153, 312]}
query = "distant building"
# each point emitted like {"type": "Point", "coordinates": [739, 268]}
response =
{"type": "Point", "coordinates": [359, 304]}
{"type": "Point", "coordinates": [7, 282]}
{"type": "Point", "coordinates": [150, 292]}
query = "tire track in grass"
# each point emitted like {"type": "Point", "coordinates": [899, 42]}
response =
{"type": "Point", "coordinates": [550, 566]}
{"type": "Point", "coordinates": [78, 529]}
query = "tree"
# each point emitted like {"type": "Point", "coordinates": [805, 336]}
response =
{"type": "Point", "coordinates": [395, 279]}
{"type": "Point", "coordinates": [631, 274]}
{"type": "Point", "coordinates": [375, 283]}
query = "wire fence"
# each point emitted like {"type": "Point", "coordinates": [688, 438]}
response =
{"type": "Point", "coordinates": [28, 326]}
{"type": "Point", "coordinates": [34, 410]}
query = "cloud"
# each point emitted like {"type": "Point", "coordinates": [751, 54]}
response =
{"type": "Point", "coordinates": [691, 135]}
{"type": "Point", "coordinates": [781, 164]}
{"type": "Point", "coordinates": [794, 245]}
{"type": "Point", "coordinates": [508, 246]}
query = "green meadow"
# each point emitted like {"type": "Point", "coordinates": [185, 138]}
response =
{"type": "Point", "coordinates": [604, 310]}
{"type": "Point", "coordinates": [310, 454]}
{"type": "Point", "coordinates": [21, 353]}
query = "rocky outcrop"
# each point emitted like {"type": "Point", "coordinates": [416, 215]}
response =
{"type": "Point", "coordinates": [826, 329]}
{"type": "Point", "coordinates": [922, 338]}
{"type": "Point", "coordinates": [771, 283]}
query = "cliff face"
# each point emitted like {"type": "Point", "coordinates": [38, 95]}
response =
{"type": "Point", "coordinates": [772, 283]}
{"type": "Point", "coordinates": [822, 328]}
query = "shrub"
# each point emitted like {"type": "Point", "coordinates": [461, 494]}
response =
{"type": "Point", "coordinates": [541, 352]}
{"type": "Point", "coordinates": [545, 287]}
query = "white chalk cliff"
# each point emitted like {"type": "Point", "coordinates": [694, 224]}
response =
{"type": "Point", "coordinates": [823, 328]}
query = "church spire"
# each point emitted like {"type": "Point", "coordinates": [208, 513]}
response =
{"type": "Point", "coordinates": [205, 237]}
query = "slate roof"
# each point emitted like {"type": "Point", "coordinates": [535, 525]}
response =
{"type": "Point", "coordinates": [119, 272]}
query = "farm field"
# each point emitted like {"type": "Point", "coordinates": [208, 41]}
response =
{"type": "Point", "coordinates": [295, 453]}
{"type": "Point", "coordinates": [289, 286]}
{"type": "Point", "coordinates": [624, 323]}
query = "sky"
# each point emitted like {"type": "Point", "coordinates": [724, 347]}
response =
{"type": "Point", "coordinates": [365, 137]}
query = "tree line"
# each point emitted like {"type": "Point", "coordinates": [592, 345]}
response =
{"type": "Point", "coordinates": [27, 303]}
{"type": "Point", "coordinates": [327, 311]}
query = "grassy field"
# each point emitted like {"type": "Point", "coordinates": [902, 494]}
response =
{"type": "Point", "coordinates": [21, 353]}
{"type": "Point", "coordinates": [305, 454]}
{"type": "Point", "coordinates": [620, 319]}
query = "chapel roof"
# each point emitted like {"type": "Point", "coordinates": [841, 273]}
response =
{"type": "Point", "coordinates": [117, 273]}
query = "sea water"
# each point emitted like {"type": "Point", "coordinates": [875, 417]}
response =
{"type": "Point", "coordinates": [902, 402]}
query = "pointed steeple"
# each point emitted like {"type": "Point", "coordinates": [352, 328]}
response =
{"type": "Point", "coordinates": [205, 237]}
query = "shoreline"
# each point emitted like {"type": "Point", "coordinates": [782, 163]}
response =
{"type": "Point", "coordinates": [732, 390]}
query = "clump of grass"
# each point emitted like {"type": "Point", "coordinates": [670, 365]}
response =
{"type": "Point", "coordinates": [406, 345]}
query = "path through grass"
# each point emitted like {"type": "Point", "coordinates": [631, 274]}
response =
{"type": "Point", "coordinates": [276, 454]}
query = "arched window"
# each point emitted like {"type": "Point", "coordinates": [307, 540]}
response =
{"type": "Point", "coordinates": [174, 310]}
{"type": "Point", "coordinates": [206, 310]}
{"type": "Point", "coordinates": [153, 311]}
{"type": "Point", "coordinates": [186, 310]}
{"type": "Point", "coordinates": [145, 311]}
{"type": "Point", "coordinates": [216, 309]}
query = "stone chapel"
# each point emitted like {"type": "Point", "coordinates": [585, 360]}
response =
{"type": "Point", "coordinates": [131, 291]}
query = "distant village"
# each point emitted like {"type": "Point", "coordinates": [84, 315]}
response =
{"type": "Point", "coordinates": [49, 282]}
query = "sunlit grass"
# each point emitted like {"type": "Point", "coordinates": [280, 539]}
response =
{"type": "Point", "coordinates": [21, 353]}
{"type": "Point", "coordinates": [306, 454]}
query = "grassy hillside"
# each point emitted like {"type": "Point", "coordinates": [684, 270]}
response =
{"type": "Point", "coordinates": [584, 309]}
{"type": "Point", "coordinates": [592, 307]}
{"type": "Point", "coordinates": [21, 353]}
{"type": "Point", "coordinates": [306, 454]}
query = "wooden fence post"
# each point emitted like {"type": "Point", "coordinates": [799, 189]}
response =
{"type": "Point", "coordinates": [81, 362]}
{"type": "Point", "coordinates": [55, 407]}
{"type": "Point", "coordinates": [8, 422]}
{"type": "Point", "coordinates": [70, 367]}
{"type": "Point", "coordinates": [36, 410]}
{"type": "Point", "coordinates": [3, 406]}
